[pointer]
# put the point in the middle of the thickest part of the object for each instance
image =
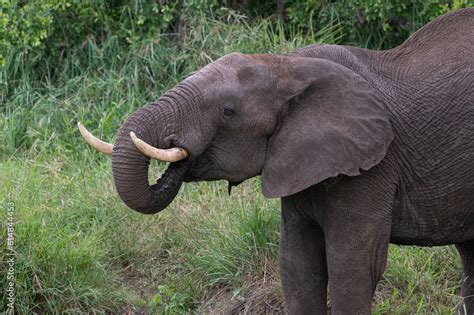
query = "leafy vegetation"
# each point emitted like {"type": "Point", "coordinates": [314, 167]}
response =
{"type": "Point", "coordinates": [78, 248]}
{"type": "Point", "coordinates": [378, 24]}
{"type": "Point", "coordinates": [45, 28]}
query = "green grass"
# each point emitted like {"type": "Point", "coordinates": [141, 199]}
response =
{"type": "Point", "coordinates": [79, 249]}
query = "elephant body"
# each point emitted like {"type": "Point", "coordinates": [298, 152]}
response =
{"type": "Point", "coordinates": [363, 147]}
{"type": "Point", "coordinates": [434, 120]}
{"type": "Point", "coordinates": [421, 193]}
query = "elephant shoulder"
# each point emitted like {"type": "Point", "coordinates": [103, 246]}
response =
{"type": "Point", "coordinates": [357, 59]}
{"type": "Point", "coordinates": [448, 40]}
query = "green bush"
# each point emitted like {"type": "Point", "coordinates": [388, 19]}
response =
{"type": "Point", "coordinates": [370, 23]}
{"type": "Point", "coordinates": [51, 27]}
{"type": "Point", "coordinates": [54, 26]}
{"type": "Point", "coordinates": [23, 26]}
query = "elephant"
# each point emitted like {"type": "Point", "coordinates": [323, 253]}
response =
{"type": "Point", "coordinates": [364, 148]}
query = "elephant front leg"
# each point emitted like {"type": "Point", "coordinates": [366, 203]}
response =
{"type": "Point", "coordinates": [466, 250]}
{"type": "Point", "coordinates": [302, 262]}
{"type": "Point", "coordinates": [357, 231]}
{"type": "Point", "coordinates": [356, 261]}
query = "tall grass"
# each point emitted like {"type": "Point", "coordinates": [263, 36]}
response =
{"type": "Point", "coordinates": [79, 249]}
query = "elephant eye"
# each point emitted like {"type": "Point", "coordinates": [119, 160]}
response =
{"type": "Point", "coordinates": [228, 112]}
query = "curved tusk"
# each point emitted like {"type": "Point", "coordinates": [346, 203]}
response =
{"type": "Point", "coordinates": [97, 144]}
{"type": "Point", "coordinates": [166, 155]}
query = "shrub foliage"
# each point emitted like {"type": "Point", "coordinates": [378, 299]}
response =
{"type": "Point", "coordinates": [53, 26]}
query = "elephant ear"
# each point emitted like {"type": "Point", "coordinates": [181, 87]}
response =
{"type": "Point", "coordinates": [334, 123]}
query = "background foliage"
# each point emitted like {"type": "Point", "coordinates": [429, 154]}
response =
{"type": "Point", "coordinates": [78, 248]}
{"type": "Point", "coordinates": [50, 26]}
{"type": "Point", "coordinates": [377, 24]}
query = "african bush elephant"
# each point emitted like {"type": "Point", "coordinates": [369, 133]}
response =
{"type": "Point", "coordinates": [364, 148]}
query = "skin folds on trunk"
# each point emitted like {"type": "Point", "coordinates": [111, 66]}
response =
{"type": "Point", "coordinates": [130, 166]}
{"type": "Point", "coordinates": [160, 125]}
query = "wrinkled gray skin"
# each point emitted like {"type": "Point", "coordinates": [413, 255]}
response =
{"type": "Point", "coordinates": [365, 148]}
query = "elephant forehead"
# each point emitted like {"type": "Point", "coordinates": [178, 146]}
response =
{"type": "Point", "coordinates": [240, 67]}
{"type": "Point", "coordinates": [213, 77]}
{"type": "Point", "coordinates": [228, 85]}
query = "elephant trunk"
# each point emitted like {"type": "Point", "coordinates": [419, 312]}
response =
{"type": "Point", "coordinates": [130, 166]}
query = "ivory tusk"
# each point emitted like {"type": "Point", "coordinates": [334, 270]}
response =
{"type": "Point", "coordinates": [94, 142]}
{"type": "Point", "coordinates": [166, 155]}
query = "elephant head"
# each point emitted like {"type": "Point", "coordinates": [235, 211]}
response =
{"type": "Point", "coordinates": [296, 121]}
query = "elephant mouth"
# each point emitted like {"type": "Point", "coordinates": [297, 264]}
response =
{"type": "Point", "coordinates": [204, 168]}
{"type": "Point", "coordinates": [176, 171]}
{"type": "Point", "coordinates": [197, 170]}
{"type": "Point", "coordinates": [189, 177]}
